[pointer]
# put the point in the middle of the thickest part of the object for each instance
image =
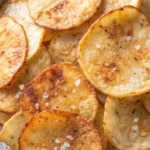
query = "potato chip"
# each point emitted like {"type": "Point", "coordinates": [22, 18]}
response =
{"type": "Point", "coordinates": [9, 96]}
{"type": "Point", "coordinates": [146, 100]}
{"type": "Point", "coordinates": [119, 36]}
{"type": "Point", "coordinates": [101, 97]}
{"type": "Point", "coordinates": [63, 47]}
{"type": "Point", "coordinates": [19, 11]}
{"type": "Point", "coordinates": [62, 87]}
{"type": "Point", "coordinates": [13, 49]}
{"type": "Point", "coordinates": [145, 7]}
{"type": "Point", "coordinates": [4, 117]}
{"type": "Point", "coordinates": [98, 124]}
{"type": "Point", "coordinates": [59, 130]}
{"type": "Point", "coordinates": [12, 129]}
{"type": "Point", "coordinates": [126, 123]}
{"type": "Point", "coordinates": [60, 15]}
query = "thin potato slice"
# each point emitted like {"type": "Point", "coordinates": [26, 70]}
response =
{"type": "Point", "coordinates": [4, 117]}
{"type": "Point", "coordinates": [60, 15]}
{"type": "Point", "coordinates": [63, 47]}
{"type": "Point", "coordinates": [59, 130]}
{"type": "Point", "coordinates": [9, 96]}
{"type": "Point", "coordinates": [12, 129]}
{"type": "Point", "coordinates": [61, 87]}
{"type": "Point", "coordinates": [98, 124]}
{"type": "Point", "coordinates": [145, 7]}
{"type": "Point", "coordinates": [126, 123]}
{"type": "Point", "coordinates": [19, 11]}
{"type": "Point", "coordinates": [119, 36]}
{"type": "Point", "coordinates": [13, 49]}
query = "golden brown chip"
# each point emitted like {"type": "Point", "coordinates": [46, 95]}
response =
{"type": "Point", "coordinates": [62, 87]}
{"type": "Point", "coordinates": [12, 129]}
{"type": "Point", "coordinates": [59, 130]}
{"type": "Point", "coordinates": [101, 97]}
{"type": "Point", "coordinates": [19, 11]}
{"type": "Point", "coordinates": [145, 7]}
{"type": "Point", "coordinates": [13, 49]}
{"type": "Point", "coordinates": [146, 101]}
{"type": "Point", "coordinates": [110, 147]}
{"type": "Point", "coordinates": [63, 47]}
{"type": "Point", "coordinates": [60, 15]}
{"type": "Point", "coordinates": [4, 117]}
{"type": "Point", "coordinates": [9, 96]}
{"type": "Point", "coordinates": [126, 123]}
{"type": "Point", "coordinates": [114, 54]}
{"type": "Point", "coordinates": [98, 124]}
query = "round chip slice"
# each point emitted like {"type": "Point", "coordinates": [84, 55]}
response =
{"type": "Point", "coordinates": [98, 124]}
{"type": "Point", "coordinates": [145, 7]}
{"type": "Point", "coordinates": [12, 129]}
{"type": "Point", "coordinates": [9, 96]}
{"type": "Point", "coordinates": [19, 11]}
{"type": "Point", "coordinates": [63, 87]}
{"type": "Point", "coordinates": [126, 123]}
{"type": "Point", "coordinates": [115, 52]}
{"type": "Point", "coordinates": [59, 130]}
{"type": "Point", "coordinates": [60, 15]}
{"type": "Point", "coordinates": [13, 49]}
{"type": "Point", "coordinates": [4, 117]}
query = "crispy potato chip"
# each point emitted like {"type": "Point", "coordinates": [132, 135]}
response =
{"type": "Point", "coordinates": [13, 49]}
{"type": "Point", "coordinates": [145, 7]}
{"type": "Point", "coordinates": [19, 11]}
{"type": "Point", "coordinates": [59, 130]}
{"type": "Point", "coordinates": [62, 87]}
{"type": "Point", "coordinates": [60, 15]}
{"type": "Point", "coordinates": [98, 124]}
{"type": "Point", "coordinates": [4, 117]}
{"type": "Point", "coordinates": [63, 47]}
{"type": "Point", "coordinates": [119, 36]}
{"type": "Point", "coordinates": [9, 96]}
{"type": "Point", "coordinates": [12, 129]}
{"type": "Point", "coordinates": [126, 123]}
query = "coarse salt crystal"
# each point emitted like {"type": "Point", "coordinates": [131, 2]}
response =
{"type": "Point", "coordinates": [69, 137]}
{"type": "Point", "coordinates": [73, 106]}
{"type": "Point", "coordinates": [57, 140]}
{"type": "Point", "coordinates": [137, 47]}
{"type": "Point", "coordinates": [67, 144]}
{"type": "Point", "coordinates": [21, 87]}
{"type": "Point", "coordinates": [98, 46]}
{"type": "Point", "coordinates": [77, 82]}
{"type": "Point", "coordinates": [143, 134]}
{"type": "Point", "coordinates": [37, 106]}
{"type": "Point", "coordinates": [18, 95]}
{"type": "Point", "coordinates": [46, 95]}
{"type": "Point", "coordinates": [135, 128]}
{"type": "Point", "coordinates": [136, 120]}
{"type": "Point", "coordinates": [55, 148]}
{"type": "Point", "coordinates": [114, 69]}
{"type": "Point", "coordinates": [106, 64]}
{"type": "Point", "coordinates": [74, 90]}
{"type": "Point", "coordinates": [46, 104]}
{"type": "Point", "coordinates": [128, 38]}
{"type": "Point", "coordinates": [63, 147]}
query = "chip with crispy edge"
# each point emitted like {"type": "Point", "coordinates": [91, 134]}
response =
{"type": "Point", "coordinates": [59, 130]}
{"type": "Point", "coordinates": [9, 96]}
{"type": "Point", "coordinates": [126, 123]}
{"type": "Point", "coordinates": [12, 129]}
{"type": "Point", "coordinates": [63, 47]}
{"type": "Point", "coordinates": [13, 49]}
{"type": "Point", "coordinates": [19, 11]}
{"type": "Point", "coordinates": [114, 54]}
{"type": "Point", "coordinates": [145, 7]}
{"type": "Point", "coordinates": [98, 124]}
{"type": "Point", "coordinates": [61, 15]}
{"type": "Point", "coordinates": [4, 117]}
{"type": "Point", "coordinates": [61, 87]}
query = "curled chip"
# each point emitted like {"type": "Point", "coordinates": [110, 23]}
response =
{"type": "Point", "coordinates": [12, 129]}
{"type": "Point", "coordinates": [115, 52]}
{"type": "Point", "coordinates": [60, 15]}
{"type": "Point", "coordinates": [145, 7]}
{"type": "Point", "coordinates": [126, 123]}
{"type": "Point", "coordinates": [98, 124]}
{"type": "Point", "coordinates": [4, 117]}
{"type": "Point", "coordinates": [62, 87]}
{"type": "Point", "coordinates": [59, 130]}
{"type": "Point", "coordinates": [19, 11]}
{"type": "Point", "coordinates": [9, 96]}
{"type": "Point", "coordinates": [13, 49]}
